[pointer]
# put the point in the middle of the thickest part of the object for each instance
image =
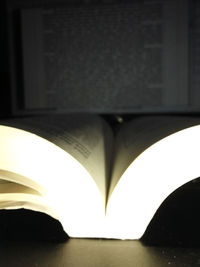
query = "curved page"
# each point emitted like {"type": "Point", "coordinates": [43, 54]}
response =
{"type": "Point", "coordinates": [152, 176]}
{"type": "Point", "coordinates": [70, 189]}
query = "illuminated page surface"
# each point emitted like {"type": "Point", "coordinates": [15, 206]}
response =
{"type": "Point", "coordinates": [136, 136]}
{"type": "Point", "coordinates": [76, 197]}
{"type": "Point", "coordinates": [157, 172]}
{"type": "Point", "coordinates": [85, 137]}
{"type": "Point", "coordinates": [14, 196]}
{"type": "Point", "coordinates": [69, 188]}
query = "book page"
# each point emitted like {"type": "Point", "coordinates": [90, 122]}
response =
{"type": "Point", "coordinates": [87, 138]}
{"type": "Point", "coordinates": [136, 136]}
{"type": "Point", "coordinates": [132, 40]}
{"type": "Point", "coordinates": [66, 155]}
{"type": "Point", "coordinates": [15, 196]}
{"type": "Point", "coordinates": [13, 178]}
{"type": "Point", "coordinates": [157, 155]}
{"type": "Point", "coordinates": [11, 187]}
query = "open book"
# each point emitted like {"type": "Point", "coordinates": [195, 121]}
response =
{"type": "Point", "coordinates": [96, 182]}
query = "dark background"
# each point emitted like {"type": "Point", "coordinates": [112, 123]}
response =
{"type": "Point", "coordinates": [100, 56]}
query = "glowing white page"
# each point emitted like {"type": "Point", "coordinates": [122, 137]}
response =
{"type": "Point", "coordinates": [70, 190]}
{"type": "Point", "coordinates": [154, 175]}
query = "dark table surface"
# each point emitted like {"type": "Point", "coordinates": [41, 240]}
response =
{"type": "Point", "coordinates": [95, 252]}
